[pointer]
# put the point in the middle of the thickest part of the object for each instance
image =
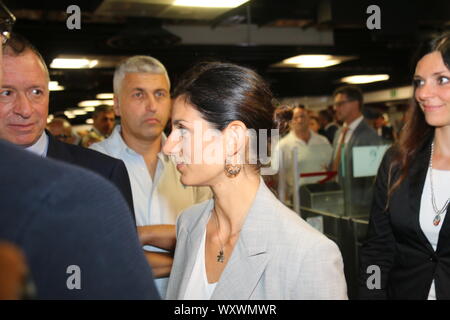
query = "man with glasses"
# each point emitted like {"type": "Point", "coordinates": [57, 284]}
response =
{"type": "Point", "coordinates": [355, 132]}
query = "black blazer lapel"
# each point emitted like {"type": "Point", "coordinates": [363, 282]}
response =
{"type": "Point", "coordinates": [57, 149]}
{"type": "Point", "coordinates": [417, 176]}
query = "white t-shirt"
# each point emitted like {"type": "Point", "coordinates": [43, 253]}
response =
{"type": "Point", "coordinates": [198, 287]}
{"type": "Point", "coordinates": [441, 186]}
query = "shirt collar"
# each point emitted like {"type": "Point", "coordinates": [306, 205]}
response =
{"type": "Point", "coordinates": [355, 123]}
{"type": "Point", "coordinates": [117, 136]}
{"type": "Point", "coordinates": [40, 147]}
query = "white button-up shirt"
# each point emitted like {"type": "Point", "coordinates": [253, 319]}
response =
{"type": "Point", "coordinates": [40, 147]}
{"type": "Point", "coordinates": [351, 128]}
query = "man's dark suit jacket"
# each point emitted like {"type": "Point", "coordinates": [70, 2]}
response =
{"type": "Point", "coordinates": [359, 190]}
{"type": "Point", "coordinates": [60, 216]}
{"type": "Point", "coordinates": [396, 242]}
{"type": "Point", "coordinates": [110, 168]}
{"type": "Point", "coordinates": [329, 132]}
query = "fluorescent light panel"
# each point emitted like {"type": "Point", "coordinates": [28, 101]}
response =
{"type": "Point", "coordinates": [313, 61]}
{"type": "Point", "coordinates": [95, 103]}
{"type": "Point", "coordinates": [69, 63]}
{"type": "Point", "coordinates": [79, 112]}
{"type": "Point", "coordinates": [105, 96]}
{"type": "Point", "coordinates": [90, 103]}
{"type": "Point", "coordinates": [54, 86]}
{"type": "Point", "coordinates": [210, 3]}
{"type": "Point", "coordinates": [365, 78]}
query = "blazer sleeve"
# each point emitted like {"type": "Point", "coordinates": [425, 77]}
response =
{"type": "Point", "coordinates": [322, 274]}
{"type": "Point", "coordinates": [378, 251]}
{"type": "Point", "coordinates": [119, 176]}
{"type": "Point", "coordinates": [86, 228]}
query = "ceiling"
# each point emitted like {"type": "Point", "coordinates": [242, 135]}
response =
{"type": "Point", "coordinates": [257, 34]}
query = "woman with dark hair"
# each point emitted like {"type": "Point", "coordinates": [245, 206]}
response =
{"type": "Point", "coordinates": [243, 243]}
{"type": "Point", "coordinates": [407, 254]}
{"type": "Point", "coordinates": [282, 118]}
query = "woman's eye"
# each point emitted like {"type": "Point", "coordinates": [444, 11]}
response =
{"type": "Point", "coordinates": [443, 80]}
{"type": "Point", "coordinates": [418, 83]}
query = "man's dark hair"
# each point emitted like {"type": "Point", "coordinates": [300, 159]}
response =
{"type": "Point", "coordinates": [352, 93]}
{"type": "Point", "coordinates": [102, 108]}
{"type": "Point", "coordinates": [326, 115]}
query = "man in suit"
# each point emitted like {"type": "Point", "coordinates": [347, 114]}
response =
{"type": "Point", "coordinates": [355, 132]}
{"type": "Point", "coordinates": [24, 103]}
{"type": "Point", "coordinates": [74, 229]}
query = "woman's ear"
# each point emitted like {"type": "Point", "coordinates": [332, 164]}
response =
{"type": "Point", "coordinates": [235, 139]}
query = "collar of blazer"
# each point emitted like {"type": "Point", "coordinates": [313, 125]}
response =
{"type": "Point", "coordinates": [56, 149]}
{"type": "Point", "coordinates": [362, 126]}
{"type": "Point", "coordinates": [250, 256]}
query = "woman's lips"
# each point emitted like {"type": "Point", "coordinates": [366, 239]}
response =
{"type": "Point", "coordinates": [427, 107]}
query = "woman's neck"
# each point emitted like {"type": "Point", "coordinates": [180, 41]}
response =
{"type": "Point", "coordinates": [233, 197]}
{"type": "Point", "coordinates": [441, 156]}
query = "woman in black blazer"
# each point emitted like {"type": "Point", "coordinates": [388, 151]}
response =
{"type": "Point", "coordinates": [407, 254]}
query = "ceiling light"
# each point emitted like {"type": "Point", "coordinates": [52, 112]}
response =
{"type": "Point", "coordinates": [89, 121]}
{"type": "Point", "coordinates": [105, 96]}
{"type": "Point", "coordinates": [365, 78]}
{"type": "Point", "coordinates": [210, 3]}
{"type": "Point", "coordinates": [89, 109]}
{"type": "Point", "coordinates": [313, 61]}
{"type": "Point", "coordinates": [62, 63]}
{"type": "Point", "coordinates": [90, 103]}
{"type": "Point", "coordinates": [54, 86]}
{"type": "Point", "coordinates": [108, 102]}
{"type": "Point", "coordinates": [79, 112]}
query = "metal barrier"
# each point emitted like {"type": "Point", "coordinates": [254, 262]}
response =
{"type": "Point", "coordinates": [348, 233]}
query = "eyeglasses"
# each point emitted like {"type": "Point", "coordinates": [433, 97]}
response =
{"type": "Point", "coordinates": [7, 20]}
{"type": "Point", "coordinates": [341, 103]}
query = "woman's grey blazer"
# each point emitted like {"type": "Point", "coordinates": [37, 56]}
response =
{"type": "Point", "coordinates": [277, 256]}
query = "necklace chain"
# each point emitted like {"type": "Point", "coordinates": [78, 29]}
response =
{"type": "Point", "coordinates": [221, 255]}
{"type": "Point", "coordinates": [437, 218]}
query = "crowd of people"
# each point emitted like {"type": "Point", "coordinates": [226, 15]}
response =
{"type": "Point", "coordinates": [146, 216]}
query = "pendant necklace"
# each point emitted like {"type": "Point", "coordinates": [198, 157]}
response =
{"type": "Point", "coordinates": [437, 211]}
{"type": "Point", "coordinates": [221, 255]}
